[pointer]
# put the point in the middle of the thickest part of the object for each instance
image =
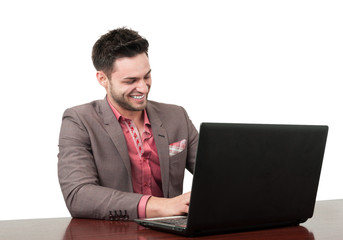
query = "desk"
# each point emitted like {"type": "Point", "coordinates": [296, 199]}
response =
{"type": "Point", "coordinates": [326, 223]}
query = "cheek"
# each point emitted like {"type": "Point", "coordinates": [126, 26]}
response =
{"type": "Point", "coordinates": [127, 90]}
{"type": "Point", "coordinates": [148, 83]}
{"type": "Point", "coordinates": [119, 89]}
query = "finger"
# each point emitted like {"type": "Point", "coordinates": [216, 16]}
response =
{"type": "Point", "coordinates": [186, 209]}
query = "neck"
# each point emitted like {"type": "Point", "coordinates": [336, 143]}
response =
{"type": "Point", "coordinates": [135, 116]}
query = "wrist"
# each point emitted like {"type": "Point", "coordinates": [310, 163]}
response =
{"type": "Point", "coordinates": [154, 206]}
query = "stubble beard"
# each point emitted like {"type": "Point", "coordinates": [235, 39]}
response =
{"type": "Point", "coordinates": [125, 104]}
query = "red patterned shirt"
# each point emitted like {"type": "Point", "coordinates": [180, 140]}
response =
{"type": "Point", "coordinates": [145, 164]}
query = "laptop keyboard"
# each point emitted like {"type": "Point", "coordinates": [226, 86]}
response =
{"type": "Point", "coordinates": [174, 221]}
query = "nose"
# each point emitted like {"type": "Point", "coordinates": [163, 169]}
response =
{"type": "Point", "coordinates": [142, 86]}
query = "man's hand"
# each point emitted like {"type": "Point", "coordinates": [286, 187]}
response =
{"type": "Point", "coordinates": [164, 207]}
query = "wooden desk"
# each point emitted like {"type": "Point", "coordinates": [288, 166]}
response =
{"type": "Point", "coordinates": [326, 223]}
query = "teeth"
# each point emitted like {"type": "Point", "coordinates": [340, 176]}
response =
{"type": "Point", "coordinates": [138, 97]}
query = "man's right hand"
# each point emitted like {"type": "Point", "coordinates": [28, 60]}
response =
{"type": "Point", "coordinates": [164, 207]}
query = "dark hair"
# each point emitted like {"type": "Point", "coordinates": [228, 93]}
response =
{"type": "Point", "coordinates": [118, 43]}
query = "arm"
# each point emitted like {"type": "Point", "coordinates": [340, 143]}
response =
{"type": "Point", "coordinates": [164, 207]}
{"type": "Point", "coordinates": [78, 175]}
{"type": "Point", "coordinates": [192, 146]}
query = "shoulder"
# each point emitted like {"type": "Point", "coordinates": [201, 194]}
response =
{"type": "Point", "coordinates": [166, 112]}
{"type": "Point", "coordinates": [87, 108]}
{"type": "Point", "coordinates": [164, 107]}
{"type": "Point", "coordinates": [86, 112]}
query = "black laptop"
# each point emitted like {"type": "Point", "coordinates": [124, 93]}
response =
{"type": "Point", "coordinates": [250, 176]}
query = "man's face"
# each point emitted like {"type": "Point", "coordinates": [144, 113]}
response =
{"type": "Point", "coordinates": [130, 83]}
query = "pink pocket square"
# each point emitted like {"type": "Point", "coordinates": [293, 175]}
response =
{"type": "Point", "coordinates": [177, 147]}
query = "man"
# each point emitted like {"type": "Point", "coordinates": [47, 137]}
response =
{"type": "Point", "coordinates": [124, 157]}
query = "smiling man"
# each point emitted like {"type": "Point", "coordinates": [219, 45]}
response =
{"type": "Point", "coordinates": [124, 157]}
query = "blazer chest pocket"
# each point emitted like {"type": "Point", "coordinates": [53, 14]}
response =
{"type": "Point", "coordinates": [181, 156]}
{"type": "Point", "coordinates": [177, 167]}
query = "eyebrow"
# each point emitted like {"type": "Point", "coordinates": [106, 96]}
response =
{"type": "Point", "coordinates": [132, 78]}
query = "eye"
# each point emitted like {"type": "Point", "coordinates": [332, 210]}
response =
{"type": "Point", "coordinates": [131, 81]}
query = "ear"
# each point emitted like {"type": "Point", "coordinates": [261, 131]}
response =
{"type": "Point", "coordinates": [102, 79]}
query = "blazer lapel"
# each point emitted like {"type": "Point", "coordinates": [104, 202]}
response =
{"type": "Point", "coordinates": [114, 130]}
{"type": "Point", "coordinates": [161, 140]}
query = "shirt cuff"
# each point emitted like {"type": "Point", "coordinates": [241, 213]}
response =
{"type": "Point", "coordinates": [142, 206]}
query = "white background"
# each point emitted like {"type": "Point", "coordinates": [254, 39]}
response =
{"type": "Point", "coordinates": [224, 61]}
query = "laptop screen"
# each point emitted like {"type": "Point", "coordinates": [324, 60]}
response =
{"type": "Point", "coordinates": [255, 175]}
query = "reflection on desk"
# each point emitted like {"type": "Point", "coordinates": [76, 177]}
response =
{"type": "Point", "coordinates": [94, 229]}
{"type": "Point", "coordinates": [325, 224]}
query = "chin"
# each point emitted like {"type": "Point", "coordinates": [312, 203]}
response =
{"type": "Point", "coordinates": [140, 106]}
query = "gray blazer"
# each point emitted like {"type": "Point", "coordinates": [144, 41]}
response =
{"type": "Point", "coordinates": [93, 163]}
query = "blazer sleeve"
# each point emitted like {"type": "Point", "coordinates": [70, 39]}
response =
{"type": "Point", "coordinates": [193, 137]}
{"type": "Point", "coordinates": [78, 177]}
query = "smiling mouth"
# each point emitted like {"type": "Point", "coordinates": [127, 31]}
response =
{"type": "Point", "coordinates": [138, 97]}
